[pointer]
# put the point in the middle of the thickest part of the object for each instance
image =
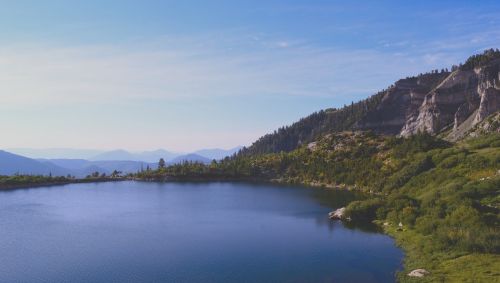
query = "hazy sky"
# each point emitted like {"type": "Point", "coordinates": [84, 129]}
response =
{"type": "Point", "coordinates": [184, 75]}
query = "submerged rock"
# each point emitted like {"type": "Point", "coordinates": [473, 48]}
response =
{"type": "Point", "coordinates": [418, 273]}
{"type": "Point", "coordinates": [337, 214]}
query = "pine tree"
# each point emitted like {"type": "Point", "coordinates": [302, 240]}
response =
{"type": "Point", "coordinates": [161, 163]}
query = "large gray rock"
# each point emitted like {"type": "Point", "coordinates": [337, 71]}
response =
{"type": "Point", "coordinates": [337, 214]}
{"type": "Point", "coordinates": [418, 273]}
{"type": "Point", "coordinates": [464, 96]}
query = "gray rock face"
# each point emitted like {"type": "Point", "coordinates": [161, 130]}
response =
{"type": "Point", "coordinates": [399, 101]}
{"type": "Point", "coordinates": [337, 214]}
{"type": "Point", "coordinates": [489, 125]}
{"type": "Point", "coordinates": [455, 99]}
{"type": "Point", "coordinates": [490, 102]}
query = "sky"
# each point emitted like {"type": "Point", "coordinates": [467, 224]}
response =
{"type": "Point", "coordinates": [185, 75]}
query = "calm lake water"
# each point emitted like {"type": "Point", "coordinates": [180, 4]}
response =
{"type": "Point", "coordinates": [186, 232]}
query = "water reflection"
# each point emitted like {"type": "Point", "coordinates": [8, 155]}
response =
{"type": "Point", "coordinates": [186, 232]}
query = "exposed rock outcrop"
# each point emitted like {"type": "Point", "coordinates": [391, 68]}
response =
{"type": "Point", "coordinates": [439, 101]}
{"type": "Point", "coordinates": [401, 99]}
{"type": "Point", "coordinates": [418, 273]}
{"type": "Point", "coordinates": [338, 214]}
{"type": "Point", "coordinates": [440, 105]}
{"type": "Point", "coordinates": [489, 125]}
{"type": "Point", "coordinates": [464, 98]}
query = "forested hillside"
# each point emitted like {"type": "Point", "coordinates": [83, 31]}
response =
{"type": "Point", "coordinates": [313, 126]}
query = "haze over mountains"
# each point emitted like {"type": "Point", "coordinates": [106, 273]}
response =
{"type": "Point", "coordinates": [80, 163]}
{"type": "Point", "coordinates": [55, 152]}
{"type": "Point", "coordinates": [11, 164]}
{"type": "Point", "coordinates": [145, 156]}
{"type": "Point", "coordinates": [119, 154]}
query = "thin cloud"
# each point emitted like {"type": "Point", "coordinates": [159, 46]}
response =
{"type": "Point", "coordinates": [57, 74]}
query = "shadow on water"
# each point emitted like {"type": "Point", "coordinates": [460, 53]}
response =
{"type": "Point", "coordinates": [325, 197]}
{"type": "Point", "coordinates": [334, 199]}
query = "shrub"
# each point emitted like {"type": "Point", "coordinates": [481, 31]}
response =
{"type": "Point", "coordinates": [406, 173]}
{"type": "Point", "coordinates": [364, 210]}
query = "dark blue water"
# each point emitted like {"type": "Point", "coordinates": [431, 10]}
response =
{"type": "Point", "coordinates": [185, 232]}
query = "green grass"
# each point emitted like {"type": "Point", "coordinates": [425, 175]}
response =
{"type": "Point", "coordinates": [446, 266]}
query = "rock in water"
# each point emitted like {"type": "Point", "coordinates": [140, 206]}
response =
{"type": "Point", "coordinates": [337, 214]}
{"type": "Point", "coordinates": [418, 273]}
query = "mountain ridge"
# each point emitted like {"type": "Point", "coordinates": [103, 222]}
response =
{"type": "Point", "coordinates": [11, 164]}
{"type": "Point", "coordinates": [432, 102]}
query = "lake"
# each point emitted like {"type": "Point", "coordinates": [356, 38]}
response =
{"type": "Point", "coordinates": [186, 232]}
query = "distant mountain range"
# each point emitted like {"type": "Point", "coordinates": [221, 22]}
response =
{"type": "Point", "coordinates": [190, 157]}
{"type": "Point", "coordinates": [203, 155]}
{"type": "Point", "coordinates": [82, 168]}
{"type": "Point", "coordinates": [42, 162]}
{"type": "Point", "coordinates": [217, 153]}
{"type": "Point", "coordinates": [49, 153]}
{"type": "Point", "coordinates": [120, 154]}
{"type": "Point", "coordinates": [11, 164]}
{"type": "Point", "coordinates": [145, 156]}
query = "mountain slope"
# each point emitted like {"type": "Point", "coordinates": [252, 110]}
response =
{"type": "Point", "coordinates": [11, 164]}
{"type": "Point", "coordinates": [217, 153]}
{"type": "Point", "coordinates": [145, 156]}
{"type": "Point", "coordinates": [432, 102]}
{"type": "Point", "coordinates": [472, 91]}
{"type": "Point", "coordinates": [48, 153]}
{"type": "Point", "coordinates": [82, 168]}
{"type": "Point", "coordinates": [118, 154]}
{"type": "Point", "coordinates": [190, 158]}
{"type": "Point", "coordinates": [155, 155]}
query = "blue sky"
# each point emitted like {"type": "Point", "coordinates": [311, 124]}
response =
{"type": "Point", "coordinates": [184, 75]}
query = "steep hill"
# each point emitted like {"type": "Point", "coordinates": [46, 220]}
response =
{"type": "Point", "coordinates": [435, 102]}
{"type": "Point", "coordinates": [217, 153]}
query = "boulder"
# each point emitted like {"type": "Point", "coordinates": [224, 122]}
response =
{"type": "Point", "coordinates": [418, 273]}
{"type": "Point", "coordinates": [337, 214]}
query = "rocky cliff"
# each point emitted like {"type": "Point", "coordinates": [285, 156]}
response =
{"type": "Point", "coordinates": [440, 101]}
{"type": "Point", "coordinates": [399, 102]}
{"type": "Point", "coordinates": [462, 100]}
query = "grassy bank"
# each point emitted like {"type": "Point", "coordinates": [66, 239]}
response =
{"type": "Point", "coordinates": [444, 266]}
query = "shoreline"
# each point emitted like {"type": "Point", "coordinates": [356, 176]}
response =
{"type": "Point", "coordinates": [10, 187]}
{"type": "Point", "coordinates": [406, 239]}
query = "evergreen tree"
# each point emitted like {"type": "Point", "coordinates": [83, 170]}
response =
{"type": "Point", "coordinates": [161, 163]}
